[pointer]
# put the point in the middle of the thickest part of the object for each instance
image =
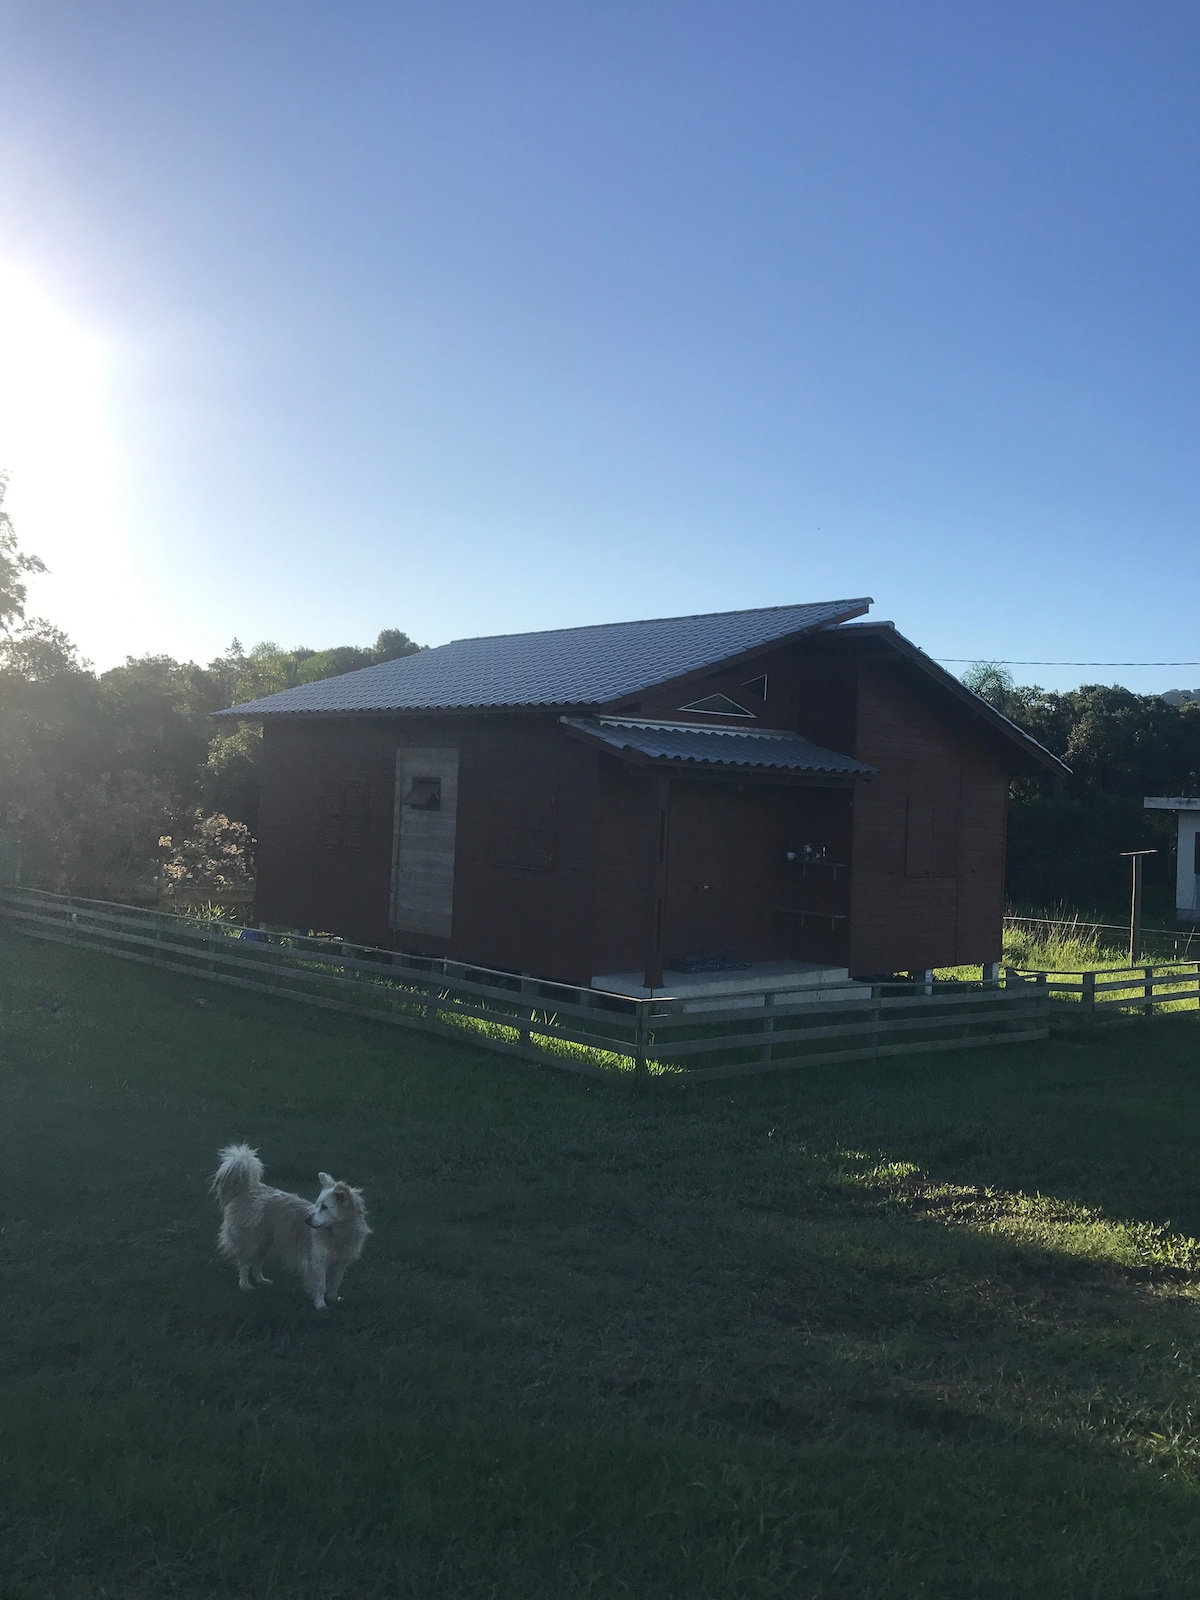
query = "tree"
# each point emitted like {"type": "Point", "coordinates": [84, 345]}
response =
{"type": "Point", "coordinates": [391, 645]}
{"type": "Point", "coordinates": [95, 769]}
{"type": "Point", "coordinates": [37, 651]}
{"type": "Point", "coordinates": [991, 681]}
{"type": "Point", "coordinates": [1066, 835]}
{"type": "Point", "coordinates": [333, 663]}
{"type": "Point", "coordinates": [13, 563]}
{"type": "Point", "coordinates": [229, 781]}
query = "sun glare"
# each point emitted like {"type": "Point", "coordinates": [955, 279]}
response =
{"type": "Point", "coordinates": [56, 441]}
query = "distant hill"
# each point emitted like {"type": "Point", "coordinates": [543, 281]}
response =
{"type": "Point", "coordinates": [1176, 697]}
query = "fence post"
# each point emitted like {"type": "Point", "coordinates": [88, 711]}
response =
{"type": "Point", "coordinates": [523, 1030]}
{"type": "Point", "coordinates": [1148, 991]}
{"type": "Point", "coordinates": [876, 1019]}
{"type": "Point", "coordinates": [1042, 1009]}
{"type": "Point", "coordinates": [639, 1046]}
{"type": "Point", "coordinates": [1088, 1000]}
{"type": "Point", "coordinates": [768, 1023]}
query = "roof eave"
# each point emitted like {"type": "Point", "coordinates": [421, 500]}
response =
{"type": "Point", "coordinates": [557, 708]}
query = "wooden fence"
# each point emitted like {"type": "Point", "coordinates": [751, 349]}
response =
{"type": "Point", "coordinates": [1108, 992]}
{"type": "Point", "coordinates": [581, 1029]}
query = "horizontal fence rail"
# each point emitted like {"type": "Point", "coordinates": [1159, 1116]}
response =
{"type": "Point", "coordinates": [1106, 992]}
{"type": "Point", "coordinates": [578, 1028]}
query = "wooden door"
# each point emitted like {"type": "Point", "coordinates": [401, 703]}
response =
{"type": "Point", "coordinates": [724, 860]}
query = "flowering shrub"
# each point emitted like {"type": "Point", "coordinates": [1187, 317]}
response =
{"type": "Point", "coordinates": [215, 854]}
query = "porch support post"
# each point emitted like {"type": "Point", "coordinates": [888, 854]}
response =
{"type": "Point", "coordinates": [660, 811]}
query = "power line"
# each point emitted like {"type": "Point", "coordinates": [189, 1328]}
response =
{"type": "Point", "coordinates": [990, 661]}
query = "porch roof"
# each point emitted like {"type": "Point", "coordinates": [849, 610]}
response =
{"type": "Point", "coordinates": [713, 745]}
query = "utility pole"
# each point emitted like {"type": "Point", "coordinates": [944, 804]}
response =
{"type": "Point", "coordinates": [1135, 901]}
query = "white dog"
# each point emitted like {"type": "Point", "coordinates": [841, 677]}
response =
{"type": "Point", "coordinates": [319, 1241]}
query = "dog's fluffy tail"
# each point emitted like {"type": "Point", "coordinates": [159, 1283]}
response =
{"type": "Point", "coordinates": [240, 1172]}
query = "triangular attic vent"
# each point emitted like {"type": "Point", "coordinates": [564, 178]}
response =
{"type": "Point", "coordinates": [718, 705]}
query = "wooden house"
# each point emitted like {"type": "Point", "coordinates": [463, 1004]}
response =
{"type": "Point", "coordinates": [780, 786]}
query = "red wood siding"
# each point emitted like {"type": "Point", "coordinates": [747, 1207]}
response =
{"type": "Point", "coordinates": [928, 861]}
{"type": "Point", "coordinates": [525, 880]}
{"type": "Point", "coordinates": [314, 871]}
{"type": "Point", "coordinates": [624, 869]}
{"type": "Point", "coordinates": [982, 845]}
{"type": "Point", "coordinates": [524, 855]}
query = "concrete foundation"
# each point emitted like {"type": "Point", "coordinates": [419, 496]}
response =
{"type": "Point", "coordinates": [786, 982]}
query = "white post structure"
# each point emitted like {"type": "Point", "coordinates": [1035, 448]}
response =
{"type": "Point", "coordinates": [1187, 865]}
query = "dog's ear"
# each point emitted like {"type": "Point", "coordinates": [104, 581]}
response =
{"type": "Point", "coordinates": [324, 1180]}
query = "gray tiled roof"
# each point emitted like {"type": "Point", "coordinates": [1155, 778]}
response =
{"type": "Point", "coordinates": [567, 667]}
{"type": "Point", "coordinates": [719, 745]}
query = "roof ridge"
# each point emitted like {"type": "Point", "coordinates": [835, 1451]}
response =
{"type": "Point", "coordinates": [640, 622]}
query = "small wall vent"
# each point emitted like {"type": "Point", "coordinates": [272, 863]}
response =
{"type": "Point", "coordinates": [424, 794]}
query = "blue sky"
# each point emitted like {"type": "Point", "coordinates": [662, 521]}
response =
{"type": "Point", "coordinates": [475, 317]}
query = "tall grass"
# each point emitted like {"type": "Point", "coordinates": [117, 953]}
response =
{"type": "Point", "coordinates": [1088, 941]}
{"type": "Point", "coordinates": [1062, 941]}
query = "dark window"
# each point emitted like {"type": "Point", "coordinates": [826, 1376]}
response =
{"type": "Point", "coordinates": [524, 827]}
{"type": "Point", "coordinates": [757, 687]}
{"type": "Point", "coordinates": [1196, 857]}
{"type": "Point", "coordinates": [718, 705]}
{"type": "Point", "coordinates": [345, 807]}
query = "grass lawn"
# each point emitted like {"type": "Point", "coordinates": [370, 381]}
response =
{"type": "Point", "coordinates": [922, 1329]}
